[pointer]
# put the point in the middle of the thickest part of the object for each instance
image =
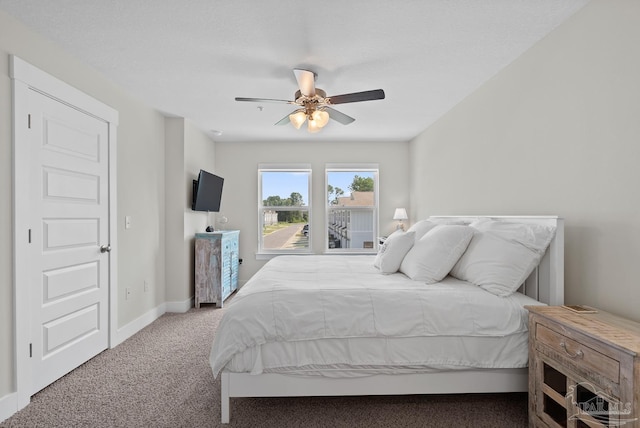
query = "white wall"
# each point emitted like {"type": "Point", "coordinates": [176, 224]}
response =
{"type": "Point", "coordinates": [238, 163]}
{"type": "Point", "coordinates": [200, 153]}
{"type": "Point", "coordinates": [141, 195]}
{"type": "Point", "coordinates": [191, 150]}
{"type": "Point", "coordinates": [140, 184]}
{"type": "Point", "coordinates": [556, 132]}
{"type": "Point", "coordinates": [175, 270]}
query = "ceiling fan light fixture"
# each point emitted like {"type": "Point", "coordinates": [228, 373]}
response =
{"type": "Point", "coordinates": [297, 118]}
{"type": "Point", "coordinates": [313, 126]}
{"type": "Point", "coordinates": [313, 104]}
{"type": "Point", "coordinates": [321, 118]}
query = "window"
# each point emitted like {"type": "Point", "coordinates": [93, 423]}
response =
{"type": "Point", "coordinates": [352, 208]}
{"type": "Point", "coordinates": [284, 205]}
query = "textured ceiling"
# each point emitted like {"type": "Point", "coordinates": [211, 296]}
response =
{"type": "Point", "coordinates": [191, 58]}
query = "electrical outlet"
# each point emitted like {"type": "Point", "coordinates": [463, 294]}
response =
{"type": "Point", "coordinates": [146, 286]}
{"type": "Point", "coordinates": [127, 293]}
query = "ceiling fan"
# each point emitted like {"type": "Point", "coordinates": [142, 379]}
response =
{"type": "Point", "coordinates": [315, 104]}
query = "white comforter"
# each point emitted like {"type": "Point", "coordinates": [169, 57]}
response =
{"type": "Point", "coordinates": [304, 298]}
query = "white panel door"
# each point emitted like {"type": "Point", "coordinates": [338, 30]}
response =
{"type": "Point", "coordinates": [69, 205]}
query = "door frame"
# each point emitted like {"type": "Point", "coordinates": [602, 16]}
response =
{"type": "Point", "coordinates": [26, 77]}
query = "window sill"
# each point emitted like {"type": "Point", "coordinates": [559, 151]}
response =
{"type": "Point", "coordinates": [350, 253]}
{"type": "Point", "coordinates": [269, 256]}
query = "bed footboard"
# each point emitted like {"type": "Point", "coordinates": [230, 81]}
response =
{"type": "Point", "coordinates": [449, 382]}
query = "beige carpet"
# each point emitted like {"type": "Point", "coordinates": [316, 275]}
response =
{"type": "Point", "coordinates": [161, 378]}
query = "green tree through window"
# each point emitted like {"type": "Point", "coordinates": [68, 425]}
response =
{"type": "Point", "coordinates": [362, 184]}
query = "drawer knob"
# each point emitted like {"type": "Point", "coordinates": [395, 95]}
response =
{"type": "Point", "coordinates": [578, 354]}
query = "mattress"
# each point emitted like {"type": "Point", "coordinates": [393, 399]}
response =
{"type": "Point", "coordinates": [337, 316]}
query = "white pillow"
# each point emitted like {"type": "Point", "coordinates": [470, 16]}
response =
{"type": "Point", "coordinates": [502, 255]}
{"type": "Point", "coordinates": [534, 236]}
{"type": "Point", "coordinates": [421, 228]}
{"type": "Point", "coordinates": [393, 251]}
{"type": "Point", "coordinates": [433, 256]}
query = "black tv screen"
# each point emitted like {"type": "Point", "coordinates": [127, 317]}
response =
{"type": "Point", "coordinates": [207, 192]}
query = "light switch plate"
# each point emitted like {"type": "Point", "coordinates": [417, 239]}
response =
{"type": "Point", "coordinates": [127, 222]}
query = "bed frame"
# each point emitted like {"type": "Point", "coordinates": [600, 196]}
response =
{"type": "Point", "coordinates": [545, 284]}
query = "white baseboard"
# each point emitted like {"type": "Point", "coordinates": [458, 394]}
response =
{"type": "Point", "coordinates": [144, 320]}
{"type": "Point", "coordinates": [180, 307]}
{"type": "Point", "coordinates": [138, 324]}
{"type": "Point", "coordinates": [8, 406]}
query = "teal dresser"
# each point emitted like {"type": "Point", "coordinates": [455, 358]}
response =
{"type": "Point", "coordinates": [216, 266]}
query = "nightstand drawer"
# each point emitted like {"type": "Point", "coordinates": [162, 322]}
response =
{"type": "Point", "coordinates": [586, 357]}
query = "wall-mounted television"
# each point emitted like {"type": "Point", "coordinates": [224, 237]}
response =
{"type": "Point", "coordinates": [207, 192]}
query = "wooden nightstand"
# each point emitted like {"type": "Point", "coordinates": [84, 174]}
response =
{"type": "Point", "coordinates": [584, 369]}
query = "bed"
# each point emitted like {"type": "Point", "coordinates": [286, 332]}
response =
{"type": "Point", "coordinates": [392, 323]}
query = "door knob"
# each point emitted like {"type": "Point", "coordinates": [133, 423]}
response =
{"type": "Point", "coordinates": [105, 249]}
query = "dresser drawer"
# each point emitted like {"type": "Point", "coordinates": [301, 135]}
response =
{"type": "Point", "coordinates": [586, 357]}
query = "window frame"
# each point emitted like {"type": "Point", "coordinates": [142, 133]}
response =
{"type": "Point", "coordinates": [262, 253]}
{"type": "Point", "coordinates": [357, 167]}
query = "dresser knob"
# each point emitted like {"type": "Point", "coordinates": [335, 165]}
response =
{"type": "Point", "coordinates": [578, 354]}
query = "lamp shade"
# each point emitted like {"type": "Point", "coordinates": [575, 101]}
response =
{"type": "Point", "coordinates": [313, 126]}
{"type": "Point", "coordinates": [321, 118]}
{"type": "Point", "coordinates": [400, 214]}
{"type": "Point", "coordinates": [297, 118]}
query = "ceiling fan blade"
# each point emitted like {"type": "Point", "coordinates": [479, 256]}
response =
{"type": "Point", "coordinates": [306, 81]}
{"type": "Point", "coordinates": [339, 116]}
{"type": "Point", "coordinates": [285, 120]}
{"type": "Point", "coordinates": [376, 94]}
{"type": "Point", "coordinates": [264, 100]}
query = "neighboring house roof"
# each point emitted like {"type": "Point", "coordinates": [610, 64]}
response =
{"type": "Point", "coordinates": [359, 199]}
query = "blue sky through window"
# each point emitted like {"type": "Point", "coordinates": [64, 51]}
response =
{"type": "Point", "coordinates": [281, 183]}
